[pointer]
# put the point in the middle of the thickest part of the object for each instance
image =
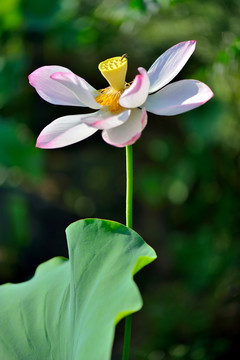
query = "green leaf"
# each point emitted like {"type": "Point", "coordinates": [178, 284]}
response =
{"type": "Point", "coordinates": [69, 309]}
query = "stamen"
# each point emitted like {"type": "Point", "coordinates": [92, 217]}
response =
{"type": "Point", "coordinates": [110, 98]}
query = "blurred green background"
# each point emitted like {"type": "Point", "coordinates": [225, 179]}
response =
{"type": "Point", "coordinates": [186, 167]}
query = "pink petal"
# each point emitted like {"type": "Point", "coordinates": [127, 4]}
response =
{"type": "Point", "coordinates": [58, 93]}
{"type": "Point", "coordinates": [137, 93]}
{"type": "Point", "coordinates": [105, 120]}
{"type": "Point", "coordinates": [83, 91]}
{"type": "Point", "coordinates": [129, 132]}
{"type": "Point", "coordinates": [64, 131]}
{"type": "Point", "coordinates": [168, 65]}
{"type": "Point", "coordinates": [178, 97]}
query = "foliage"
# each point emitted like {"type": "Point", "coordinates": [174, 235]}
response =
{"type": "Point", "coordinates": [69, 309]}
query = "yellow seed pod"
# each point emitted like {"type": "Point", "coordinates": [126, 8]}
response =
{"type": "Point", "coordinates": [114, 70]}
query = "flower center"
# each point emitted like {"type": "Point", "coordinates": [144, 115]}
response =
{"type": "Point", "coordinates": [114, 70]}
{"type": "Point", "coordinates": [110, 97]}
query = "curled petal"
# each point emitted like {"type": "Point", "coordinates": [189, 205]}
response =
{"type": "Point", "coordinates": [129, 132]}
{"type": "Point", "coordinates": [178, 97]}
{"type": "Point", "coordinates": [168, 65]}
{"type": "Point", "coordinates": [71, 92]}
{"type": "Point", "coordinates": [105, 120]}
{"type": "Point", "coordinates": [64, 131]}
{"type": "Point", "coordinates": [137, 93]}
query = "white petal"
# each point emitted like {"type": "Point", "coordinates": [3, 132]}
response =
{"type": "Point", "coordinates": [57, 93]}
{"type": "Point", "coordinates": [105, 120]}
{"type": "Point", "coordinates": [178, 97]}
{"type": "Point", "coordinates": [137, 93]}
{"type": "Point", "coordinates": [64, 131]}
{"type": "Point", "coordinates": [168, 65]}
{"type": "Point", "coordinates": [129, 132]}
{"type": "Point", "coordinates": [83, 91]}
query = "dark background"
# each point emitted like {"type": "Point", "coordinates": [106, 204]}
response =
{"type": "Point", "coordinates": [186, 195]}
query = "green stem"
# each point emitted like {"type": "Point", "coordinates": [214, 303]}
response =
{"type": "Point", "coordinates": [127, 337]}
{"type": "Point", "coordinates": [129, 190]}
{"type": "Point", "coordinates": [129, 223]}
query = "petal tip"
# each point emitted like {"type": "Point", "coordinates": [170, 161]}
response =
{"type": "Point", "coordinates": [34, 75]}
{"type": "Point", "coordinates": [193, 43]}
{"type": "Point", "coordinates": [142, 70]}
{"type": "Point", "coordinates": [186, 42]}
{"type": "Point", "coordinates": [39, 145]}
{"type": "Point", "coordinates": [210, 93]}
{"type": "Point", "coordinates": [189, 42]}
{"type": "Point", "coordinates": [30, 78]}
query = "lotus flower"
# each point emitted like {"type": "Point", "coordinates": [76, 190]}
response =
{"type": "Point", "coordinates": [121, 108]}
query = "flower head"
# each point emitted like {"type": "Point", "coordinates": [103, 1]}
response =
{"type": "Point", "coordinates": [121, 107]}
